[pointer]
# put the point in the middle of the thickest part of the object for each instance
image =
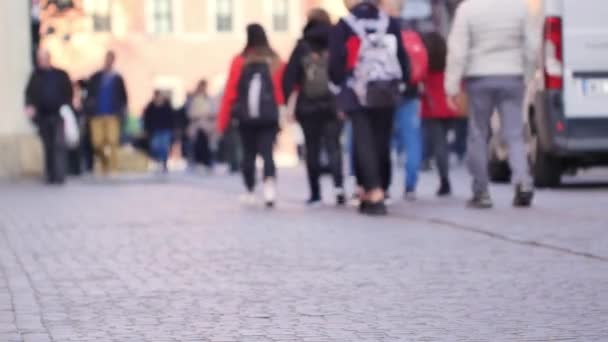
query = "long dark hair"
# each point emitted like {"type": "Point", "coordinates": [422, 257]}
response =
{"type": "Point", "coordinates": [438, 51]}
{"type": "Point", "coordinates": [257, 41]}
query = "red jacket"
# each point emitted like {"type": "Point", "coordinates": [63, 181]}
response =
{"type": "Point", "coordinates": [231, 91]}
{"type": "Point", "coordinates": [434, 98]}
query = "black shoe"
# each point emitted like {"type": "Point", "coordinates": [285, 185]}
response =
{"type": "Point", "coordinates": [373, 208]}
{"type": "Point", "coordinates": [270, 205]}
{"type": "Point", "coordinates": [341, 200]}
{"type": "Point", "coordinates": [523, 197]}
{"type": "Point", "coordinates": [445, 189]}
{"type": "Point", "coordinates": [481, 201]}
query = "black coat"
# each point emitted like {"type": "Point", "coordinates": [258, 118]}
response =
{"type": "Point", "coordinates": [315, 38]}
{"type": "Point", "coordinates": [48, 90]}
{"type": "Point", "coordinates": [158, 118]}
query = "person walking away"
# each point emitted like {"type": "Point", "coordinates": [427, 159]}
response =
{"type": "Point", "coordinates": [316, 110]}
{"type": "Point", "coordinates": [201, 127]}
{"type": "Point", "coordinates": [408, 126]}
{"type": "Point", "coordinates": [439, 117]}
{"type": "Point", "coordinates": [369, 68]}
{"type": "Point", "coordinates": [159, 125]}
{"type": "Point", "coordinates": [492, 48]}
{"type": "Point", "coordinates": [253, 93]}
{"type": "Point", "coordinates": [107, 102]}
{"type": "Point", "coordinates": [48, 90]}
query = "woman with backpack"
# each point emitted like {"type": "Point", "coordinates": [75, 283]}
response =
{"type": "Point", "coordinates": [307, 72]}
{"type": "Point", "coordinates": [369, 67]}
{"type": "Point", "coordinates": [252, 97]}
{"type": "Point", "coordinates": [439, 117]}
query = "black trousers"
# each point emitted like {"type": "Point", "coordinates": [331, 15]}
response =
{"type": "Point", "coordinates": [201, 150]}
{"type": "Point", "coordinates": [257, 140]}
{"type": "Point", "coordinates": [55, 151]}
{"type": "Point", "coordinates": [323, 133]}
{"type": "Point", "coordinates": [372, 132]}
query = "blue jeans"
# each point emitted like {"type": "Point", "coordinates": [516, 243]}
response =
{"type": "Point", "coordinates": [408, 135]}
{"type": "Point", "coordinates": [160, 145]}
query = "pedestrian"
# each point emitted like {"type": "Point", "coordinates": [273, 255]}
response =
{"type": "Point", "coordinates": [492, 48]}
{"type": "Point", "coordinates": [439, 117]}
{"type": "Point", "coordinates": [48, 90]}
{"type": "Point", "coordinates": [107, 102]}
{"type": "Point", "coordinates": [369, 69]}
{"type": "Point", "coordinates": [253, 95]}
{"type": "Point", "coordinates": [316, 111]}
{"type": "Point", "coordinates": [202, 117]}
{"type": "Point", "coordinates": [159, 125]}
{"type": "Point", "coordinates": [408, 127]}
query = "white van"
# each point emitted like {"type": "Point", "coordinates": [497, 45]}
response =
{"type": "Point", "coordinates": [567, 102]}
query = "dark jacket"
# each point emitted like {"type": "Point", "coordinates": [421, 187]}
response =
{"type": "Point", "coordinates": [119, 94]}
{"type": "Point", "coordinates": [344, 47]}
{"type": "Point", "coordinates": [158, 118]}
{"type": "Point", "coordinates": [48, 90]}
{"type": "Point", "coordinates": [315, 38]}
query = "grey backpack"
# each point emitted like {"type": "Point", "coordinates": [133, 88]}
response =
{"type": "Point", "coordinates": [315, 85]}
{"type": "Point", "coordinates": [377, 77]}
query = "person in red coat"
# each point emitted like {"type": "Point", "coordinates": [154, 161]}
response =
{"type": "Point", "coordinates": [258, 138]}
{"type": "Point", "coordinates": [439, 118]}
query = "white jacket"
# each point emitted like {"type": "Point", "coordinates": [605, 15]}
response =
{"type": "Point", "coordinates": [491, 38]}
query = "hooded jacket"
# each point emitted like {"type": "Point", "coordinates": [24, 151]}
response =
{"type": "Point", "coordinates": [315, 38]}
{"type": "Point", "coordinates": [344, 45]}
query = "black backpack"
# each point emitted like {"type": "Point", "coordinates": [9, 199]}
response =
{"type": "Point", "coordinates": [256, 103]}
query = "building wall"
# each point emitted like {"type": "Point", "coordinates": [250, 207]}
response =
{"type": "Point", "coordinates": [177, 60]}
{"type": "Point", "coordinates": [20, 151]}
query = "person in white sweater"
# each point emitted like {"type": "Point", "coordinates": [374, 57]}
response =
{"type": "Point", "coordinates": [492, 49]}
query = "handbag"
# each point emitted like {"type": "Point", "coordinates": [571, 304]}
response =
{"type": "Point", "coordinates": [71, 129]}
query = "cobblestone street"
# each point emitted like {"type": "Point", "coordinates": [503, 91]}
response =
{"type": "Point", "coordinates": [143, 259]}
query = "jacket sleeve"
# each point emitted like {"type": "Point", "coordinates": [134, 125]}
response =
{"type": "Point", "coordinates": [292, 78]}
{"type": "Point", "coordinates": [338, 55]}
{"type": "Point", "coordinates": [29, 91]}
{"type": "Point", "coordinates": [146, 118]}
{"type": "Point", "coordinates": [532, 44]}
{"type": "Point", "coordinates": [122, 93]}
{"type": "Point", "coordinates": [458, 50]}
{"type": "Point", "coordinates": [230, 94]}
{"type": "Point", "coordinates": [68, 89]}
{"type": "Point", "coordinates": [277, 79]}
{"type": "Point", "coordinates": [404, 59]}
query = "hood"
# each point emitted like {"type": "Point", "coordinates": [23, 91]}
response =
{"type": "Point", "coordinates": [317, 34]}
{"type": "Point", "coordinates": [365, 10]}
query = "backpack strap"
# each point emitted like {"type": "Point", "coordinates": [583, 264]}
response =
{"type": "Point", "coordinates": [361, 26]}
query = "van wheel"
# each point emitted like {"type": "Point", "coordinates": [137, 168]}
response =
{"type": "Point", "coordinates": [499, 171]}
{"type": "Point", "coordinates": [547, 169]}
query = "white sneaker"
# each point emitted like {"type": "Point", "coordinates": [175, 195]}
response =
{"type": "Point", "coordinates": [248, 199]}
{"type": "Point", "coordinates": [270, 193]}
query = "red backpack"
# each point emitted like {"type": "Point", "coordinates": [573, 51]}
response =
{"type": "Point", "coordinates": [419, 57]}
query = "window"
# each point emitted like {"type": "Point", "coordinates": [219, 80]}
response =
{"type": "Point", "coordinates": [280, 15]}
{"type": "Point", "coordinates": [162, 16]}
{"type": "Point", "coordinates": [100, 12]}
{"type": "Point", "coordinates": [224, 15]}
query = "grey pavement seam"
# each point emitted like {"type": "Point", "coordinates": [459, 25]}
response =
{"type": "Point", "coordinates": [454, 225]}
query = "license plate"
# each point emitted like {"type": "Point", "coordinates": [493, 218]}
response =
{"type": "Point", "coordinates": [595, 87]}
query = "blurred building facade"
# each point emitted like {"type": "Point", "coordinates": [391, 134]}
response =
{"type": "Point", "coordinates": [166, 44]}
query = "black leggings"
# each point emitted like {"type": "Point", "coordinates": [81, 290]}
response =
{"type": "Point", "coordinates": [322, 133]}
{"type": "Point", "coordinates": [372, 132]}
{"type": "Point", "coordinates": [257, 141]}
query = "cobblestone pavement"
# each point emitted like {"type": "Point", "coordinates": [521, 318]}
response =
{"type": "Point", "coordinates": [180, 260]}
